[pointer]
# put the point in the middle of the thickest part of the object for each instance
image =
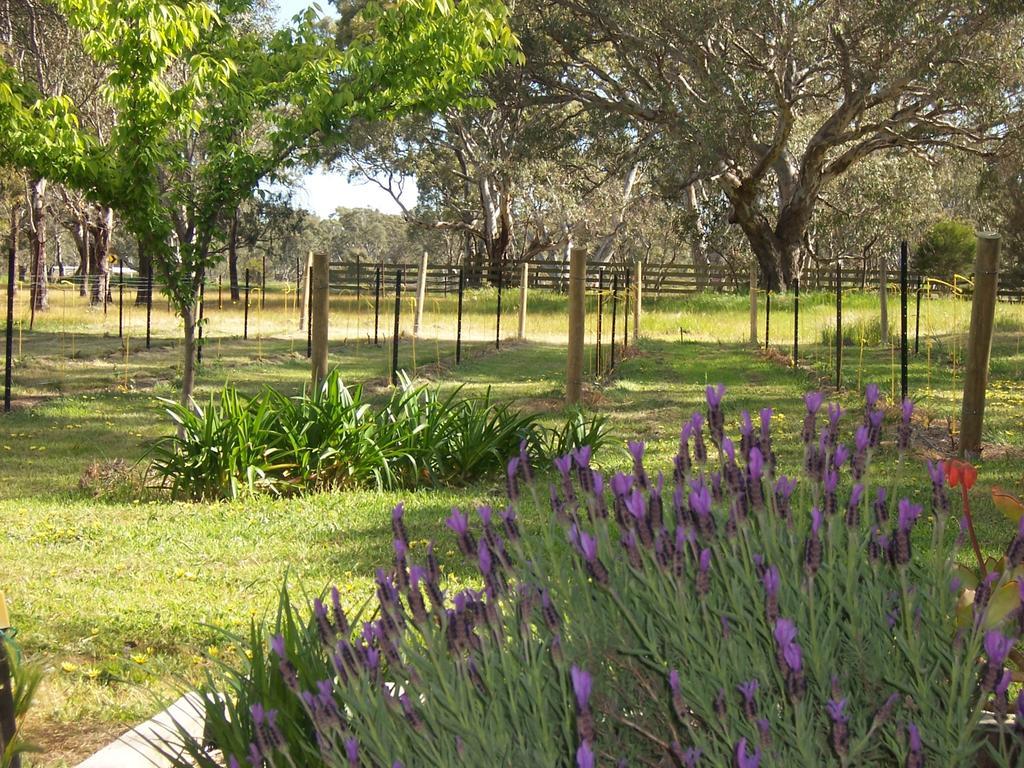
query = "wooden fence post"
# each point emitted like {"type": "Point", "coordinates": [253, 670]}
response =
{"type": "Point", "coordinates": [305, 293]}
{"type": "Point", "coordinates": [638, 299]}
{"type": "Point", "coordinates": [421, 295]}
{"type": "Point", "coordinates": [320, 316]}
{"type": "Point", "coordinates": [398, 327]}
{"type": "Point", "coordinates": [524, 291]}
{"type": "Point", "coordinates": [979, 346]}
{"type": "Point", "coordinates": [577, 320]}
{"type": "Point", "coordinates": [753, 303]}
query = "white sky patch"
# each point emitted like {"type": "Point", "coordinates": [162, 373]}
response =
{"type": "Point", "coordinates": [322, 192]}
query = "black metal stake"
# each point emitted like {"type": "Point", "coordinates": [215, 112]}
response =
{"type": "Point", "coordinates": [796, 321]}
{"type": "Point", "coordinates": [120, 303]}
{"type": "Point", "coordinates": [839, 329]}
{"type": "Point", "coordinates": [917, 323]}
{"type": "Point", "coordinates": [497, 330]}
{"type": "Point", "coordinates": [202, 308]}
{"type": "Point", "coordinates": [767, 317]}
{"type": "Point", "coordinates": [904, 346]}
{"type": "Point", "coordinates": [458, 322]}
{"type": "Point", "coordinates": [615, 312]}
{"type": "Point", "coordinates": [220, 292]}
{"type": "Point", "coordinates": [9, 353]}
{"type": "Point", "coordinates": [263, 284]}
{"type": "Point", "coordinates": [149, 307]}
{"type": "Point", "coordinates": [376, 306]}
{"type": "Point", "coordinates": [398, 319]}
{"type": "Point", "coordinates": [245, 326]}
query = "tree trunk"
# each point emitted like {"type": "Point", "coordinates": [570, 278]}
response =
{"type": "Point", "coordinates": [37, 232]}
{"type": "Point", "coordinates": [188, 350]}
{"type": "Point", "coordinates": [101, 232]}
{"type": "Point", "coordinates": [233, 257]}
{"type": "Point", "coordinates": [698, 254]}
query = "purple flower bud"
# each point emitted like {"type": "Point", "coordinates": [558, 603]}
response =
{"type": "Point", "coordinates": [352, 752]}
{"type": "Point", "coordinates": [563, 464]}
{"type": "Point", "coordinates": [871, 395]}
{"type": "Point", "coordinates": [813, 401]}
{"type": "Point", "coordinates": [585, 755]}
{"type": "Point", "coordinates": [457, 522]}
{"type": "Point", "coordinates": [691, 757]}
{"type": "Point", "coordinates": [997, 646]}
{"type": "Point", "coordinates": [745, 759]}
{"type": "Point", "coordinates": [714, 395]}
{"type": "Point", "coordinates": [582, 684]}
{"type": "Point", "coordinates": [771, 581]}
{"type": "Point", "coordinates": [881, 506]}
{"type": "Point", "coordinates": [484, 559]}
{"type": "Point", "coordinates": [756, 465]}
{"type": "Point", "coordinates": [729, 449]}
{"type": "Point", "coordinates": [748, 691]}
{"type": "Point", "coordinates": [840, 456]}
{"type": "Point", "coordinates": [277, 646]}
{"type": "Point", "coordinates": [908, 514]}
{"type": "Point", "coordinates": [916, 757]}
{"type": "Point", "coordinates": [512, 478]}
{"type": "Point", "coordinates": [816, 519]}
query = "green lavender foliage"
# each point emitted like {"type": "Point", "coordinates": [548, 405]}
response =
{"type": "Point", "coordinates": [333, 438]}
{"type": "Point", "coordinates": [663, 599]}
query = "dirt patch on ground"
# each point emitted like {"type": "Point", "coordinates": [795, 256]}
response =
{"type": "Point", "coordinates": [62, 744]}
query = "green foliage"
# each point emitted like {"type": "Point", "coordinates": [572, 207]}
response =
{"type": "Point", "coordinates": [803, 627]}
{"type": "Point", "coordinates": [333, 438]}
{"type": "Point", "coordinates": [26, 679]}
{"type": "Point", "coordinates": [947, 248]}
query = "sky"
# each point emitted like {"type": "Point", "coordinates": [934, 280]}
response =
{"type": "Point", "coordinates": [323, 191]}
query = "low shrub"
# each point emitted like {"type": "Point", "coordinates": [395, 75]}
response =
{"type": "Point", "coordinates": [333, 438]}
{"type": "Point", "coordinates": [733, 615]}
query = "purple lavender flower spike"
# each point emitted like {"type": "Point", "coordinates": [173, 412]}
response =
{"type": "Point", "coordinates": [484, 559]}
{"type": "Point", "coordinates": [813, 401]}
{"type": "Point", "coordinates": [908, 514]}
{"type": "Point", "coordinates": [881, 506]}
{"type": "Point", "coordinates": [840, 456]}
{"type": "Point", "coordinates": [563, 464]}
{"type": "Point", "coordinates": [771, 581]}
{"type": "Point", "coordinates": [621, 484]}
{"type": "Point", "coordinates": [588, 546]}
{"type": "Point", "coordinates": [512, 479]}
{"type": "Point", "coordinates": [748, 691]}
{"type": "Point", "coordinates": [582, 685]}
{"type": "Point", "coordinates": [997, 646]}
{"type": "Point", "coordinates": [871, 395]}
{"type": "Point", "coordinates": [277, 646]}
{"type": "Point", "coordinates": [816, 520]}
{"type": "Point", "coordinates": [691, 757]}
{"type": "Point", "coordinates": [875, 419]}
{"type": "Point", "coordinates": [457, 521]}
{"type": "Point", "coordinates": [581, 456]}
{"type": "Point", "coordinates": [746, 759]}
{"type": "Point", "coordinates": [915, 759]}
{"type": "Point", "coordinates": [714, 395]}
{"type": "Point", "coordinates": [766, 422]}
{"type": "Point", "coordinates": [836, 709]}
{"type": "Point", "coordinates": [352, 752]}
{"type": "Point", "coordinates": [853, 507]}
{"type": "Point", "coordinates": [585, 755]}
{"type": "Point", "coordinates": [729, 449]}
{"type": "Point", "coordinates": [756, 465]}
{"type": "Point", "coordinates": [636, 449]}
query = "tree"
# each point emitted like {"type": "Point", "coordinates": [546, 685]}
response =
{"type": "Point", "coordinates": [946, 249]}
{"type": "Point", "coordinates": [775, 101]}
{"type": "Point", "coordinates": [207, 109]}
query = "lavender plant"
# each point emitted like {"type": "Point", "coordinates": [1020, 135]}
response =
{"type": "Point", "coordinates": [728, 613]}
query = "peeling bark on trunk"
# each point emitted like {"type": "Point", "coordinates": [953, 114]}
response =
{"type": "Point", "coordinates": [37, 233]}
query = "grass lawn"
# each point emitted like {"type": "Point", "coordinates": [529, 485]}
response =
{"type": "Point", "coordinates": [118, 591]}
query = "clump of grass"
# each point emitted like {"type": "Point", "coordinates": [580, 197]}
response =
{"type": "Point", "coordinates": [333, 438]}
{"type": "Point", "coordinates": [857, 332]}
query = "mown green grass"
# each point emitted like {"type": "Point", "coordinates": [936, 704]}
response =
{"type": "Point", "coordinates": [119, 594]}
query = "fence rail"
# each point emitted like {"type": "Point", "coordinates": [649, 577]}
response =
{"type": "Point", "coordinates": [663, 280]}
